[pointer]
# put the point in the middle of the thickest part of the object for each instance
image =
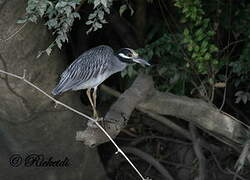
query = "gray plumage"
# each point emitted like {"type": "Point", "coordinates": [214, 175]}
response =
{"type": "Point", "coordinates": [89, 70]}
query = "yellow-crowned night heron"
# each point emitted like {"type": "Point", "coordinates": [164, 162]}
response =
{"type": "Point", "coordinates": [93, 67]}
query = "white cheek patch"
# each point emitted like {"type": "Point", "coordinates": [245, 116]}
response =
{"type": "Point", "coordinates": [124, 56]}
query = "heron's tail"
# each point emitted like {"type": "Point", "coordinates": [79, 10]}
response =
{"type": "Point", "coordinates": [56, 91]}
{"type": "Point", "coordinates": [63, 85]}
{"type": "Point", "coordinates": [60, 88]}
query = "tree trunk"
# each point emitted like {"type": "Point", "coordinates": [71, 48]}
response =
{"type": "Point", "coordinates": [29, 122]}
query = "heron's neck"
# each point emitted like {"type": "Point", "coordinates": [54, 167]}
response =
{"type": "Point", "coordinates": [118, 65]}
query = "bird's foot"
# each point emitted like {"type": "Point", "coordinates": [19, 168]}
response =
{"type": "Point", "coordinates": [93, 123]}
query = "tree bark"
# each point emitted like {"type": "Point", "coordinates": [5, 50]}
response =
{"type": "Point", "coordinates": [29, 122]}
{"type": "Point", "coordinates": [119, 113]}
{"type": "Point", "coordinates": [197, 111]}
{"type": "Point", "coordinates": [155, 103]}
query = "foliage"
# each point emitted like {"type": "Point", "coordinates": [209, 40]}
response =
{"type": "Point", "coordinates": [173, 70]}
{"type": "Point", "coordinates": [169, 73]}
{"type": "Point", "coordinates": [96, 19]}
{"type": "Point", "coordinates": [242, 96]}
{"type": "Point", "coordinates": [198, 35]}
{"type": "Point", "coordinates": [241, 66]}
{"type": "Point", "coordinates": [182, 61]}
{"type": "Point", "coordinates": [59, 16]}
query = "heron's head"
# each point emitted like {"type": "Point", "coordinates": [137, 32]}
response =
{"type": "Point", "coordinates": [129, 56]}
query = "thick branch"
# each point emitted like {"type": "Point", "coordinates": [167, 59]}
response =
{"type": "Point", "coordinates": [119, 113]}
{"type": "Point", "coordinates": [203, 114]}
{"type": "Point", "coordinates": [197, 111]}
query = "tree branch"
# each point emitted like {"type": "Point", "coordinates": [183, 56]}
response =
{"type": "Point", "coordinates": [199, 112]}
{"type": "Point", "coordinates": [119, 113]}
{"type": "Point", "coordinates": [148, 158]}
{"type": "Point", "coordinates": [222, 126]}
{"type": "Point", "coordinates": [77, 112]}
{"type": "Point", "coordinates": [198, 152]}
{"type": "Point", "coordinates": [14, 34]}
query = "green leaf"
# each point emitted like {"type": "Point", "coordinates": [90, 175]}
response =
{"type": "Point", "coordinates": [33, 19]}
{"type": "Point", "coordinates": [213, 48]}
{"type": "Point", "coordinates": [194, 55]}
{"type": "Point", "coordinates": [100, 15]}
{"type": "Point", "coordinates": [98, 25]}
{"type": "Point", "coordinates": [204, 44]}
{"type": "Point", "coordinates": [67, 10]}
{"type": "Point", "coordinates": [72, 4]}
{"type": "Point", "coordinates": [104, 3]}
{"type": "Point", "coordinates": [76, 15]}
{"type": "Point", "coordinates": [190, 47]}
{"type": "Point", "coordinates": [89, 30]}
{"type": "Point", "coordinates": [207, 56]}
{"type": "Point", "coordinates": [196, 48]}
{"type": "Point", "coordinates": [107, 10]}
{"type": "Point", "coordinates": [89, 22]}
{"type": "Point", "coordinates": [103, 21]}
{"type": "Point", "coordinates": [97, 3]}
{"type": "Point", "coordinates": [59, 43]}
{"type": "Point", "coordinates": [210, 33]}
{"type": "Point", "coordinates": [186, 32]}
{"type": "Point", "coordinates": [51, 23]}
{"type": "Point", "coordinates": [60, 4]}
{"type": "Point", "coordinates": [92, 16]}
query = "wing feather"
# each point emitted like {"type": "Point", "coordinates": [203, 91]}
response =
{"type": "Point", "coordinates": [90, 64]}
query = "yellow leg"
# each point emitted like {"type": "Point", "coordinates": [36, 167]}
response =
{"type": "Point", "coordinates": [92, 104]}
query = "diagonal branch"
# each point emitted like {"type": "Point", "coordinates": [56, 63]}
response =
{"type": "Point", "coordinates": [151, 160]}
{"type": "Point", "coordinates": [77, 112]}
{"type": "Point", "coordinates": [119, 113]}
{"type": "Point", "coordinates": [14, 34]}
{"type": "Point", "coordinates": [218, 124]}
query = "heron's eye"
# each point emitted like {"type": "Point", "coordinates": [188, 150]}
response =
{"type": "Point", "coordinates": [130, 54]}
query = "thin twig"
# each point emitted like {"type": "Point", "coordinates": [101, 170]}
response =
{"type": "Point", "coordinates": [198, 152]}
{"type": "Point", "coordinates": [233, 43]}
{"type": "Point", "coordinates": [77, 112]}
{"type": "Point", "coordinates": [213, 88]}
{"type": "Point", "coordinates": [151, 160]}
{"type": "Point", "coordinates": [143, 138]}
{"type": "Point", "coordinates": [224, 171]}
{"type": "Point", "coordinates": [14, 34]}
{"type": "Point", "coordinates": [167, 122]}
{"type": "Point", "coordinates": [225, 90]}
{"type": "Point", "coordinates": [178, 165]}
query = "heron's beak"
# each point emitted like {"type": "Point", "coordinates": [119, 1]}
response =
{"type": "Point", "coordinates": [141, 61]}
